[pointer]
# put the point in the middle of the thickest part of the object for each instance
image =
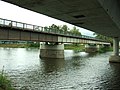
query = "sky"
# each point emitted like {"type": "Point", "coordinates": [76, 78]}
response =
{"type": "Point", "coordinates": [15, 13]}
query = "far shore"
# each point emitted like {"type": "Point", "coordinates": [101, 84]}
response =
{"type": "Point", "coordinates": [78, 47]}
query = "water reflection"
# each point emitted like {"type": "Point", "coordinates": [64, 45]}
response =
{"type": "Point", "coordinates": [52, 65]}
{"type": "Point", "coordinates": [92, 54]}
{"type": "Point", "coordinates": [78, 71]}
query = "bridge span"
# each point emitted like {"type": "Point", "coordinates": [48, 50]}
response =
{"type": "Point", "coordinates": [12, 30]}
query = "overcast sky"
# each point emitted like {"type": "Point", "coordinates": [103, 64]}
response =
{"type": "Point", "coordinates": [12, 12]}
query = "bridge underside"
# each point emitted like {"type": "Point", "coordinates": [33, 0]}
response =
{"type": "Point", "coordinates": [101, 16]}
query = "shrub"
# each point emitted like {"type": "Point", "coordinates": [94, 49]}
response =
{"type": "Point", "coordinates": [5, 84]}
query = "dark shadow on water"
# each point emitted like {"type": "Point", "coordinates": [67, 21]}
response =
{"type": "Point", "coordinates": [52, 65]}
{"type": "Point", "coordinates": [92, 54]}
{"type": "Point", "coordinates": [113, 77]}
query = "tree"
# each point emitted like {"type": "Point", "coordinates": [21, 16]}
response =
{"type": "Point", "coordinates": [75, 31]}
{"type": "Point", "coordinates": [54, 28]}
{"type": "Point", "coordinates": [64, 28]}
{"type": "Point", "coordinates": [99, 36]}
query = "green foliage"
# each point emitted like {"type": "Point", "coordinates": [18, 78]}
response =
{"type": "Point", "coordinates": [99, 36]}
{"type": "Point", "coordinates": [74, 47]}
{"type": "Point", "coordinates": [54, 28]}
{"type": "Point", "coordinates": [105, 49]}
{"type": "Point", "coordinates": [75, 31]}
{"type": "Point", "coordinates": [33, 45]}
{"type": "Point", "coordinates": [5, 84]}
{"type": "Point", "coordinates": [63, 29]}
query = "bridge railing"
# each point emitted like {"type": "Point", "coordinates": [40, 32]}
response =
{"type": "Point", "coordinates": [24, 26]}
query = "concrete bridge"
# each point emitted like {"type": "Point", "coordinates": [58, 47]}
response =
{"type": "Point", "coordinates": [101, 16]}
{"type": "Point", "coordinates": [12, 30]}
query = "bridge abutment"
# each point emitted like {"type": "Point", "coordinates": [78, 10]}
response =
{"type": "Point", "coordinates": [115, 57]}
{"type": "Point", "coordinates": [55, 50]}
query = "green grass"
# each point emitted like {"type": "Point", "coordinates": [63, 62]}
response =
{"type": "Point", "coordinates": [5, 83]}
{"type": "Point", "coordinates": [13, 45]}
{"type": "Point", "coordinates": [20, 45]}
{"type": "Point", "coordinates": [105, 49]}
{"type": "Point", "coordinates": [74, 47]}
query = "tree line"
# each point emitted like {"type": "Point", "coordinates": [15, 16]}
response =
{"type": "Point", "coordinates": [63, 29]}
{"type": "Point", "coordinates": [99, 36]}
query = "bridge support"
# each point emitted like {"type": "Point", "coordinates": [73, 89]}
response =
{"type": "Point", "coordinates": [99, 47]}
{"type": "Point", "coordinates": [55, 50]}
{"type": "Point", "coordinates": [90, 48]}
{"type": "Point", "coordinates": [115, 57]}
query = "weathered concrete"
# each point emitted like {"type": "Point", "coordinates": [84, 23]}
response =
{"type": "Point", "coordinates": [115, 57]}
{"type": "Point", "coordinates": [116, 46]}
{"type": "Point", "coordinates": [52, 51]}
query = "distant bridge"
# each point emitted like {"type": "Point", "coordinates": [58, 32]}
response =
{"type": "Point", "coordinates": [13, 30]}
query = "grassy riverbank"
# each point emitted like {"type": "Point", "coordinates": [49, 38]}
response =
{"type": "Point", "coordinates": [13, 45]}
{"type": "Point", "coordinates": [79, 47]}
{"type": "Point", "coordinates": [19, 45]}
{"type": "Point", "coordinates": [105, 49]}
{"type": "Point", "coordinates": [5, 83]}
{"type": "Point", "coordinates": [66, 46]}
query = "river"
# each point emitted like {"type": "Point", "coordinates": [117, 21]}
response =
{"type": "Point", "coordinates": [78, 71]}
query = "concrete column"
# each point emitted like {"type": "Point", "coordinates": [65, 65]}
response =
{"type": "Point", "coordinates": [116, 46]}
{"type": "Point", "coordinates": [115, 57]}
{"type": "Point", "coordinates": [52, 51]}
{"type": "Point", "coordinates": [98, 47]}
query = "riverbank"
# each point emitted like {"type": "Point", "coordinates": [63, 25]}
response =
{"type": "Point", "coordinates": [5, 83]}
{"type": "Point", "coordinates": [66, 46]}
{"type": "Point", "coordinates": [79, 47]}
{"type": "Point", "coordinates": [13, 45]}
{"type": "Point", "coordinates": [19, 45]}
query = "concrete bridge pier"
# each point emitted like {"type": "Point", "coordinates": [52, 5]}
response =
{"type": "Point", "coordinates": [90, 48]}
{"type": "Point", "coordinates": [99, 47]}
{"type": "Point", "coordinates": [52, 50]}
{"type": "Point", "coordinates": [115, 57]}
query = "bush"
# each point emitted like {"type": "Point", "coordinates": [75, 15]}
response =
{"type": "Point", "coordinates": [34, 45]}
{"type": "Point", "coordinates": [5, 84]}
{"type": "Point", "coordinates": [105, 49]}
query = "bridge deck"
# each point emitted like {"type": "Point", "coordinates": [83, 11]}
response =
{"type": "Point", "coordinates": [12, 30]}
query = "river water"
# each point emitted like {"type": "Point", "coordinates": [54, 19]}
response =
{"type": "Point", "coordinates": [78, 71]}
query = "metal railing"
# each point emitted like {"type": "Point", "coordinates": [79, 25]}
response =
{"type": "Point", "coordinates": [24, 26]}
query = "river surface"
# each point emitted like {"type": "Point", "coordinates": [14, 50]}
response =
{"type": "Point", "coordinates": [78, 71]}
